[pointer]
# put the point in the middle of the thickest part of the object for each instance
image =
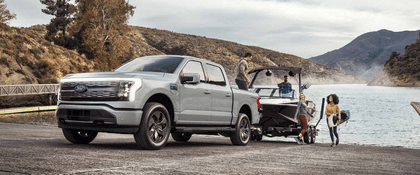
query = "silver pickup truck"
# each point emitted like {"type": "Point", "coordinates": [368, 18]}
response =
{"type": "Point", "coordinates": [154, 96]}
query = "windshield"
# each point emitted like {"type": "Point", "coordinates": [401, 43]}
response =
{"type": "Point", "coordinates": [275, 84]}
{"type": "Point", "coordinates": [151, 64]}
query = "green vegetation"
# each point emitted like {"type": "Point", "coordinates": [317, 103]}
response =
{"type": "Point", "coordinates": [63, 12]}
{"type": "Point", "coordinates": [401, 70]}
{"type": "Point", "coordinates": [98, 28]}
{"type": "Point", "coordinates": [101, 27]}
{"type": "Point", "coordinates": [5, 14]}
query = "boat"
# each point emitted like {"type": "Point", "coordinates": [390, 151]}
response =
{"type": "Point", "coordinates": [279, 110]}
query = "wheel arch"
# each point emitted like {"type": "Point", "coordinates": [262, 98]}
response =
{"type": "Point", "coordinates": [165, 101]}
{"type": "Point", "coordinates": [246, 110]}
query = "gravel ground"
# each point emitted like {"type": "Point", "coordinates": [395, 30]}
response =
{"type": "Point", "coordinates": [40, 149]}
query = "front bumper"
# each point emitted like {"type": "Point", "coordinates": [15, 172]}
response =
{"type": "Point", "coordinates": [101, 118]}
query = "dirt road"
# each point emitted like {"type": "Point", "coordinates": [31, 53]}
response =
{"type": "Point", "coordinates": [35, 149]}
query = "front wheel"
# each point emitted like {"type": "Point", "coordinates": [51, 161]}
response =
{"type": "Point", "coordinates": [155, 127]}
{"type": "Point", "coordinates": [79, 136]}
{"type": "Point", "coordinates": [242, 132]}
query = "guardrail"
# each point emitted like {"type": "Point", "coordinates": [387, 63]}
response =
{"type": "Point", "coordinates": [27, 109]}
{"type": "Point", "coordinates": [28, 89]}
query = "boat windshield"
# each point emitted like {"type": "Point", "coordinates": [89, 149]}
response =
{"type": "Point", "coordinates": [151, 64]}
{"type": "Point", "coordinates": [274, 92]}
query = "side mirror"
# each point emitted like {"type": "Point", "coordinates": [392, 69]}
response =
{"type": "Point", "coordinates": [190, 78]}
{"type": "Point", "coordinates": [268, 73]}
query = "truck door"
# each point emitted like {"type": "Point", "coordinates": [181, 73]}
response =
{"type": "Point", "coordinates": [221, 96]}
{"type": "Point", "coordinates": [195, 99]}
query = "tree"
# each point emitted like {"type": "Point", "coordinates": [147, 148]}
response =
{"type": "Point", "coordinates": [5, 14]}
{"type": "Point", "coordinates": [101, 27]}
{"type": "Point", "coordinates": [63, 12]}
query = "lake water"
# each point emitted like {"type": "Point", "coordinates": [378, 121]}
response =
{"type": "Point", "coordinates": [380, 116]}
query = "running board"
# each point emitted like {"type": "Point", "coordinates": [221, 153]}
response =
{"type": "Point", "coordinates": [203, 129]}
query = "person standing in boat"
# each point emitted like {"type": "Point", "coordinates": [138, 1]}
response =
{"type": "Point", "coordinates": [302, 116]}
{"type": "Point", "coordinates": [332, 110]}
{"type": "Point", "coordinates": [241, 79]}
{"type": "Point", "coordinates": [285, 87]}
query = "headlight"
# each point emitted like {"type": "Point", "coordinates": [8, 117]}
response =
{"type": "Point", "coordinates": [124, 90]}
{"type": "Point", "coordinates": [59, 92]}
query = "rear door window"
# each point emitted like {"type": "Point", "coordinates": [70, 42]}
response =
{"type": "Point", "coordinates": [215, 75]}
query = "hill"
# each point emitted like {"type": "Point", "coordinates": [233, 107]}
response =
{"type": "Point", "coordinates": [401, 70]}
{"type": "Point", "coordinates": [27, 58]}
{"type": "Point", "coordinates": [366, 55]}
{"type": "Point", "coordinates": [145, 41]}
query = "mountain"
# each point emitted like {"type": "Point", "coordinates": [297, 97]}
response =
{"type": "Point", "coordinates": [27, 58]}
{"type": "Point", "coordinates": [145, 41]}
{"type": "Point", "coordinates": [401, 70]}
{"type": "Point", "coordinates": [366, 55]}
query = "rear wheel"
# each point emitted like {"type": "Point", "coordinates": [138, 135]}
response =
{"type": "Point", "coordinates": [79, 136]}
{"type": "Point", "coordinates": [242, 132]}
{"type": "Point", "coordinates": [181, 137]}
{"type": "Point", "coordinates": [155, 127]}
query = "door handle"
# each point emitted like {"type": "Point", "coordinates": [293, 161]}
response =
{"type": "Point", "coordinates": [207, 92]}
{"type": "Point", "coordinates": [228, 95]}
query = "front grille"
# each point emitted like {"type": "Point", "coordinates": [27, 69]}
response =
{"type": "Point", "coordinates": [94, 84]}
{"type": "Point", "coordinates": [96, 91]}
{"type": "Point", "coordinates": [97, 116]}
{"type": "Point", "coordinates": [98, 113]}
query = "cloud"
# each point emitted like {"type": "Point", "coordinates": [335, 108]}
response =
{"type": "Point", "coordinates": [304, 28]}
{"type": "Point", "coordinates": [28, 12]}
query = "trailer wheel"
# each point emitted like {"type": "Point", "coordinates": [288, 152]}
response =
{"type": "Point", "coordinates": [256, 137]}
{"type": "Point", "coordinates": [259, 137]}
{"type": "Point", "coordinates": [306, 137]}
{"type": "Point", "coordinates": [313, 135]}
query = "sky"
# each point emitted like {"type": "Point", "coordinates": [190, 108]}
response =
{"type": "Point", "coordinates": [304, 28]}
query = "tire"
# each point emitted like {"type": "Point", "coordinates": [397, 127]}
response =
{"type": "Point", "coordinates": [79, 136]}
{"type": "Point", "coordinates": [242, 133]}
{"type": "Point", "coordinates": [253, 137]}
{"type": "Point", "coordinates": [259, 137]}
{"type": "Point", "coordinates": [256, 137]}
{"type": "Point", "coordinates": [155, 127]}
{"type": "Point", "coordinates": [306, 136]}
{"type": "Point", "coordinates": [313, 135]}
{"type": "Point", "coordinates": [181, 137]}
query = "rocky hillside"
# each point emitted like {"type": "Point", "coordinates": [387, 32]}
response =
{"type": "Point", "coordinates": [401, 70]}
{"type": "Point", "coordinates": [27, 58]}
{"type": "Point", "coordinates": [146, 41]}
{"type": "Point", "coordinates": [366, 55]}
